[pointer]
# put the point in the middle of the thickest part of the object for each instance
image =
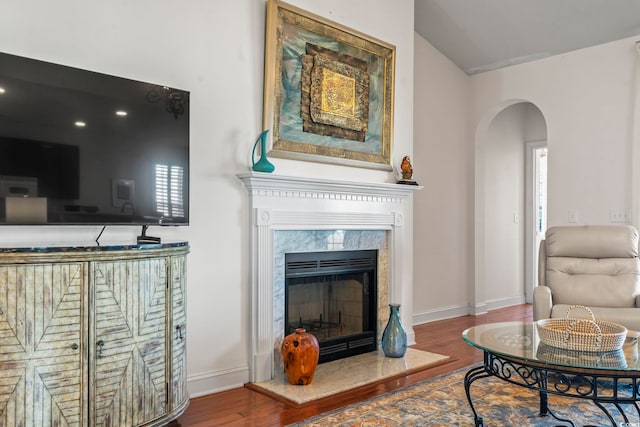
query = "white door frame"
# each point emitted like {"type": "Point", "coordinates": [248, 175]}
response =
{"type": "Point", "coordinates": [531, 243]}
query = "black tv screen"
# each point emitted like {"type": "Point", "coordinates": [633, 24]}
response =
{"type": "Point", "coordinates": [80, 147]}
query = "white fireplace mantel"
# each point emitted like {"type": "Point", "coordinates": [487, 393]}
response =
{"type": "Point", "coordinates": [288, 186]}
{"type": "Point", "coordinates": [292, 203]}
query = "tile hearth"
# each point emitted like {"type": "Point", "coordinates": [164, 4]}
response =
{"type": "Point", "coordinates": [346, 374]}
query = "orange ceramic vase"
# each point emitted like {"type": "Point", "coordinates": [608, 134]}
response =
{"type": "Point", "coordinates": [300, 352]}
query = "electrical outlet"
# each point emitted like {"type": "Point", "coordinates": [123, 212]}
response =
{"type": "Point", "coordinates": [619, 216]}
{"type": "Point", "coordinates": [572, 216]}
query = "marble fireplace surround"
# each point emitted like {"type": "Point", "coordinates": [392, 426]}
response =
{"type": "Point", "coordinates": [282, 209]}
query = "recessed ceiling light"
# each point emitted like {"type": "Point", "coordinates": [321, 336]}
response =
{"type": "Point", "coordinates": [1, 90]}
{"type": "Point", "coordinates": [80, 124]}
{"type": "Point", "coordinates": [121, 113]}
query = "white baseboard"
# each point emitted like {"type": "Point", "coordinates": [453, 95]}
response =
{"type": "Point", "coordinates": [214, 382]}
{"type": "Point", "coordinates": [440, 314]}
{"type": "Point", "coordinates": [505, 302]}
{"type": "Point", "coordinates": [477, 310]}
{"type": "Point", "coordinates": [450, 312]}
{"type": "Point", "coordinates": [411, 337]}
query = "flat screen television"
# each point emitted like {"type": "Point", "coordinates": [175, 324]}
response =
{"type": "Point", "coordinates": [81, 147]}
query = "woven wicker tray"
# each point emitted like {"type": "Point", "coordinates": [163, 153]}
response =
{"type": "Point", "coordinates": [581, 334]}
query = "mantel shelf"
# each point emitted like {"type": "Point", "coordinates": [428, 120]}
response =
{"type": "Point", "coordinates": [257, 181]}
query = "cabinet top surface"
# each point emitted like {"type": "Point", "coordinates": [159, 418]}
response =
{"type": "Point", "coordinates": [6, 248]}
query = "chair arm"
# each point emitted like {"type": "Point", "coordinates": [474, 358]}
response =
{"type": "Point", "coordinates": [541, 302]}
{"type": "Point", "coordinates": [542, 263]}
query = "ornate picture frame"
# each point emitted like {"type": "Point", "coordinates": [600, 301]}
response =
{"type": "Point", "coordinates": [328, 90]}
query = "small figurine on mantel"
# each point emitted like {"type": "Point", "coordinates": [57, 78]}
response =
{"type": "Point", "coordinates": [407, 172]}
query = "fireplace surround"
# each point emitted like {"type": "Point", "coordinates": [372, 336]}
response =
{"type": "Point", "coordinates": [299, 212]}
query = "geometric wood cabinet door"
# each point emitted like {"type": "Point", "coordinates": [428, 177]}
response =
{"type": "Point", "coordinates": [127, 338]}
{"type": "Point", "coordinates": [41, 363]}
{"type": "Point", "coordinates": [179, 397]}
{"type": "Point", "coordinates": [93, 336]}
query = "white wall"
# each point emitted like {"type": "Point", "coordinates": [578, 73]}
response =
{"type": "Point", "coordinates": [443, 210]}
{"type": "Point", "coordinates": [586, 97]}
{"type": "Point", "coordinates": [586, 100]}
{"type": "Point", "coordinates": [504, 149]}
{"type": "Point", "coordinates": [215, 49]}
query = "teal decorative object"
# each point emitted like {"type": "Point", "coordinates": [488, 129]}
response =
{"type": "Point", "coordinates": [262, 165]}
{"type": "Point", "coordinates": [394, 338]}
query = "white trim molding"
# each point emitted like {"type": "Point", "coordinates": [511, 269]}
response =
{"type": "Point", "coordinates": [291, 203]}
{"type": "Point", "coordinates": [464, 310]}
{"type": "Point", "coordinates": [217, 381]}
{"type": "Point", "coordinates": [635, 144]}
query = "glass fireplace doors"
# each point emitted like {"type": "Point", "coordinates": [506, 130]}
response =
{"type": "Point", "coordinates": [333, 295]}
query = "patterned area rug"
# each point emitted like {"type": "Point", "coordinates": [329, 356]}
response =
{"type": "Point", "coordinates": [441, 401]}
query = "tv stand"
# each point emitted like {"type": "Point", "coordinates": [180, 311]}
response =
{"type": "Point", "coordinates": [111, 344]}
{"type": "Point", "coordinates": [143, 238]}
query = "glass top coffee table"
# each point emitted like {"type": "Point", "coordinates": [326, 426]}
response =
{"type": "Point", "coordinates": [513, 352]}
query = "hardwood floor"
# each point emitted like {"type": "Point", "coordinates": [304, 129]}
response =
{"type": "Point", "coordinates": [244, 407]}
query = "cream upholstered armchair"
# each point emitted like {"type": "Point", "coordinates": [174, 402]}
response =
{"type": "Point", "coordinates": [594, 266]}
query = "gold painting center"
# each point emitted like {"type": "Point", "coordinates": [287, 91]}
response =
{"type": "Point", "coordinates": [338, 94]}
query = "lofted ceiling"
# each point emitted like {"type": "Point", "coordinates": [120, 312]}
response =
{"type": "Point", "coordinates": [482, 35]}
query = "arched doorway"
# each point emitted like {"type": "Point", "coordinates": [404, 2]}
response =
{"type": "Point", "coordinates": [504, 217]}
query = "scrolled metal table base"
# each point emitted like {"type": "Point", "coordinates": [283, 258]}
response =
{"type": "Point", "coordinates": [621, 388]}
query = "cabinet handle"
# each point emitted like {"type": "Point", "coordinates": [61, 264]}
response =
{"type": "Point", "coordinates": [179, 330]}
{"type": "Point", "coordinates": [100, 344]}
{"type": "Point", "coordinates": [74, 346]}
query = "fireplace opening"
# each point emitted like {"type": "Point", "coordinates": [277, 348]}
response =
{"type": "Point", "coordinates": [333, 295]}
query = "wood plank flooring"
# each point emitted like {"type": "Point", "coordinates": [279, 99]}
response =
{"type": "Point", "coordinates": [244, 407]}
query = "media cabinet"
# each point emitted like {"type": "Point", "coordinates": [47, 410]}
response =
{"type": "Point", "coordinates": [93, 335]}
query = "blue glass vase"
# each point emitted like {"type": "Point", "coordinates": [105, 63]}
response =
{"type": "Point", "coordinates": [394, 338]}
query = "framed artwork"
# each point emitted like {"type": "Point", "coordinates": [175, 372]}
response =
{"type": "Point", "coordinates": [328, 90]}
